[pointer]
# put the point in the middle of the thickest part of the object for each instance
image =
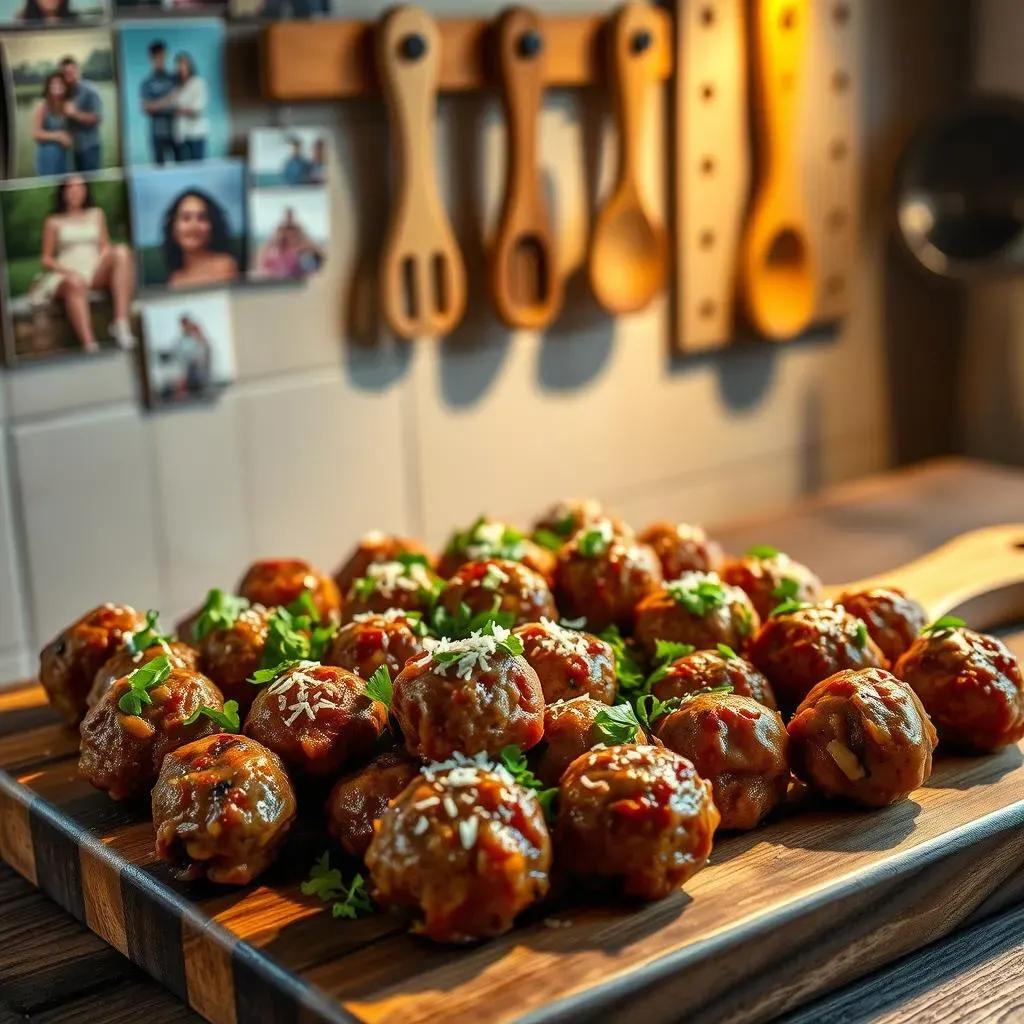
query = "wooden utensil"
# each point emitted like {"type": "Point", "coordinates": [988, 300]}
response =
{"type": "Point", "coordinates": [525, 282]}
{"type": "Point", "coordinates": [629, 248]}
{"type": "Point", "coordinates": [423, 276]}
{"type": "Point", "coordinates": [777, 267]}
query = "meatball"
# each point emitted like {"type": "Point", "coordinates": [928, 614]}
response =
{"type": "Point", "coordinates": [569, 663]}
{"type": "Point", "coordinates": [185, 628]}
{"type": "Point", "coordinates": [499, 586]}
{"type": "Point", "coordinates": [706, 670]}
{"type": "Point", "coordinates": [125, 661]}
{"type": "Point", "coordinates": [280, 581]}
{"type": "Point", "coordinates": [697, 609]}
{"type": "Point", "coordinates": [797, 649]}
{"type": "Point", "coordinates": [637, 815]}
{"type": "Point", "coordinates": [770, 577]}
{"type": "Point", "coordinates": [489, 539]}
{"type": "Point", "coordinates": [359, 799]}
{"type": "Point", "coordinates": [569, 732]}
{"type": "Point", "coordinates": [894, 620]}
{"type": "Point", "coordinates": [564, 520]}
{"type": "Point", "coordinates": [370, 640]}
{"type": "Point", "coordinates": [970, 685]}
{"type": "Point", "coordinates": [231, 654]}
{"type": "Point", "coordinates": [409, 586]}
{"type": "Point", "coordinates": [378, 547]}
{"type": "Point", "coordinates": [121, 752]}
{"type": "Point", "coordinates": [682, 548]}
{"type": "Point", "coordinates": [864, 736]}
{"type": "Point", "coordinates": [739, 746]}
{"type": "Point", "coordinates": [601, 577]}
{"type": "Point", "coordinates": [69, 663]}
{"type": "Point", "coordinates": [464, 847]}
{"type": "Point", "coordinates": [317, 718]}
{"type": "Point", "coordinates": [222, 807]}
{"type": "Point", "coordinates": [470, 696]}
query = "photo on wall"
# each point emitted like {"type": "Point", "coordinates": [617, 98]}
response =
{"type": "Point", "coordinates": [288, 231]}
{"type": "Point", "coordinates": [48, 13]}
{"type": "Point", "coordinates": [65, 96]}
{"type": "Point", "coordinates": [69, 275]}
{"type": "Point", "coordinates": [188, 223]}
{"type": "Point", "coordinates": [156, 8]}
{"type": "Point", "coordinates": [287, 157]}
{"type": "Point", "coordinates": [277, 10]}
{"type": "Point", "coordinates": [173, 96]}
{"type": "Point", "coordinates": [188, 348]}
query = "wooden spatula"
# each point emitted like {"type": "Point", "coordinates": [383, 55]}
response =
{"type": "Point", "coordinates": [525, 281]}
{"type": "Point", "coordinates": [629, 248]}
{"type": "Point", "coordinates": [776, 268]}
{"type": "Point", "coordinates": [423, 276]}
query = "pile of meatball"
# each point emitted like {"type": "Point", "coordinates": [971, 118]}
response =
{"type": "Point", "coordinates": [650, 692]}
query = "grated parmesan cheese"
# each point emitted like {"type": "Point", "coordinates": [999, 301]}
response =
{"type": "Point", "coordinates": [560, 640]}
{"type": "Point", "coordinates": [474, 651]}
{"type": "Point", "coordinates": [468, 829]}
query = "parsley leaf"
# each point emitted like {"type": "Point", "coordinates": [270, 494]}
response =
{"type": "Point", "coordinates": [788, 607]}
{"type": "Point", "coordinates": [744, 620]}
{"type": "Point", "coordinates": [788, 589]}
{"type": "Point", "coordinates": [762, 551]}
{"type": "Point", "coordinates": [148, 636]}
{"type": "Point", "coordinates": [327, 885]}
{"type": "Point", "coordinates": [726, 651]}
{"type": "Point", "coordinates": [220, 611]}
{"type": "Point", "coordinates": [488, 540]}
{"type": "Point", "coordinates": [295, 637]}
{"type": "Point", "coordinates": [942, 627]}
{"type": "Point", "coordinates": [566, 526]}
{"type": "Point", "coordinates": [268, 675]}
{"type": "Point", "coordinates": [140, 682]}
{"type": "Point", "coordinates": [698, 595]}
{"type": "Point", "coordinates": [411, 558]}
{"type": "Point", "coordinates": [627, 670]}
{"type": "Point", "coordinates": [508, 642]}
{"type": "Point", "coordinates": [227, 719]}
{"type": "Point", "coordinates": [464, 623]}
{"type": "Point", "coordinates": [305, 605]}
{"type": "Point", "coordinates": [514, 760]}
{"type": "Point", "coordinates": [548, 539]}
{"type": "Point", "coordinates": [667, 651]}
{"type": "Point", "coordinates": [860, 636]}
{"type": "Point", "coordinates": [594, 540]}
{"type": "Point", "coordinates": [493, 578]}
{"type": "Point", "coordinates": [617, 724]}
{"type": "Point", "coordinates": [649, 709]}
{"type": "Point", "coordinates": [379, 688]}
{"type": "Point", "coordinates": [364, 587]}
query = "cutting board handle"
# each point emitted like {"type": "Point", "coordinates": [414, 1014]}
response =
{"type": "Point", "coordinates": [978, 576]}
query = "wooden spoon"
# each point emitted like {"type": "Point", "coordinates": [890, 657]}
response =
{"type": "Point", "coordinates": [629, 249]}
{"type": "Point", "coordinates": [776, 267]}
{"type": "Point", "coordinates": [525, 282]}
{"type": "Point", "coordinates": [423, 276]}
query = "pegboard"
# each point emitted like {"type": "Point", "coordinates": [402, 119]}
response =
{"type": "Point", "coordinates": [714, 173]}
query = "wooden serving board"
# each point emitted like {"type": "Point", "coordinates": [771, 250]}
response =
{"type": "Point", "coordinates": [816, 898]}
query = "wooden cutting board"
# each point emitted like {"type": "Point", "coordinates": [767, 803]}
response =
{"type": "Point", "coordinates": [795, 908]}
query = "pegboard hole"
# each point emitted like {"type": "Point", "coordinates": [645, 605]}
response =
{"type": "Point", "coordinates": [707, 309]}
{"type": "Point", "coordinates": [706, 239]}
{"type": "Point", "coordinates": [788, 19]}
{"type": "Point", "coordinates": [840, 81]}
{"type": "Point", "coordinates": [838, 149]}
{"type": "Point", "coordinates": [835, 284]}
{"type": "Point", "coordinates": [836, 219]}
{"type": "Point", "coordinates": [707, 92]}
{"type": "Point", "coordinates": [841, 14]}
{"type": "Point", "coordinates": [707, 16]}
{"type": "Point", "coordinates": [707, 165]}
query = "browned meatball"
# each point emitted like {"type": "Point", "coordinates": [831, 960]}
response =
{"type": "Point", "coordinates": [565, 519]}
{"type": "Point", "coordinates": [770, 577]}
{"type": "Point", "coordinates": [798, 649]}
{"type": "Point", "coordinates": [230, 655]}
{"type": "Point", "coordinates": [864, 736]}
{"type": "Point", "coordinates": [697, 609]}
{"type": "Point", "coordinates": [970, 685]}
{"type": "Point", "coordinates": [317, 718]}
{"type": "Point", "coordinates": [739, 746]}
{"type": "Point", "coordinates": [465, 848]}
{"type": "Point", "coordinates": [893, 619]}
{"type": "Point", "coordinates": [469, 696]}
{"type": "Point", "coordinates": [569, 663]}
{"type": "Point", "coordinates": [180, 655]}
{"type": "Point", "coordinates": [569, 732]}
{"type": "Point", "coordinates": [222, 807]}
{"type": "Point", "coordinates": [69, 663]}
{"type": "Point", "coordinates": [360, 799]}
{"type": "Point", "coordinates": [637, 815]}
{"type": "Point", "coordinates": [185, 628]}
{"type": "Point", "coordinates": [121, 752]}
{"type": "Point", "coordinates": [602, 577]}
{"type": "Point", "coordinates": [369, 641]}
{"type": "Point", "coordinates": [280, 581]}
{"type": "Point", "coordinates": [408, 586]}
{"type": "Point", "coordinates": [682, 548]}
{"type": "Point", "coordinates": [489, 539]}
{"type": "Point", "coordinates": [498, 585]}
{"type": "Point", "coordinates": [706, 670]}
{"type": "Point", "coordinates": [378, 547]}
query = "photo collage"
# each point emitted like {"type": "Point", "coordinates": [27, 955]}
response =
{"type": "Point", "coordinates": [125, 213]}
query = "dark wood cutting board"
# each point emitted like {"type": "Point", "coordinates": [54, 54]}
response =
{"type": "Point", "coordinates": [795, 908]}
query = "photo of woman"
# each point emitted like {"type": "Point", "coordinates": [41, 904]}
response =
{"type": "Point", "coordinates": [197, 242]}
{"type": "Point", "coordinates": [50, 128]}
{"type": "Point", "coordinates": [42, 13]}
{"type": "Point", "coordinates": [191, 127]}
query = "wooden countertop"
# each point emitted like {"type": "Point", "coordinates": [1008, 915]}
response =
{"type": "Point", "coordinates": [53, 970]}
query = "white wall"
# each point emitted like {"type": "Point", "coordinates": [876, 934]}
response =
{"type": "Point", "coordinates": [334, 429]}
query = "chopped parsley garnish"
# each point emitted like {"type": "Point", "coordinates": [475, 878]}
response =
{"type": "Point", "coordinates": [787, 589]}
{"type": "Point", "coordinates": [140, 682]}
{"type": "Point", "coordinates": [493, 578]}
{"type": "Point", "coordinates": [515, 761]}
{"type": "Point", "coordinates": [860, 636]}
{"type": "Point", "coordinates": [594, 540]}
{"type": "Point", "coordinates": [509, 643]}
{"type": "Point", "coordinates": [220, 611]}
{"type": "Point", "coordinates": [364, 587]}
{"type": "Point", "coordinates": [488, 540]}
{"type": "Point", "coordinates": [295, 636]}
{"type": "Point", "coordinates": [698, 595]}
{"type": "Point", "coordinates": [415, 623]}
{"type": "Point", "coordinates": [727, 652]}
{"type": "Point", "coordinates": [268, 675]}
{"type": "Point", "coordinates": [378, 687]}
{"type": "Point", "coordinates": [617, 724]}
{"type": "Point", "coordinates": [411, 558]}
{"type": "Point", "coordinates": [627, 670]}
{"type": "Point", "coordinates": [464, 623]}
{"type": "Point", "coordinates": [788, 607]}
{"type": "Point", "coordinates": [762, 551]}
{"type": "Point", "coordinates": [666, 651]}
{"type": "Point", "coordinates": [943, 627]}
{"type": "Point", "coordinates": [148, 636]}
{"type": "Point", "coordinates": [548, 539]}
{"type": "Point", "coordinates": [649, 709]}
{"type": "Point", "coordinates": [744, 620]}
{"type": "Point", "coordinates": [349, 901]}
{"type": "Point", "coordinates": [227, 719]}
{"type": "Point", "coordinates": [566, 526]}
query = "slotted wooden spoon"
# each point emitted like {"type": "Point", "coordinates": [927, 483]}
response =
{"type": "Point", "coordinates": [422, 274]}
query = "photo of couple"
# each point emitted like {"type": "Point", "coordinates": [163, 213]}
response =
{"type": "Point", "coordinates": [287, 157]}
{"type": "Point", "coordinates": [66, 116]}
{"type": "Point", "coordinates": [172, 91]}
